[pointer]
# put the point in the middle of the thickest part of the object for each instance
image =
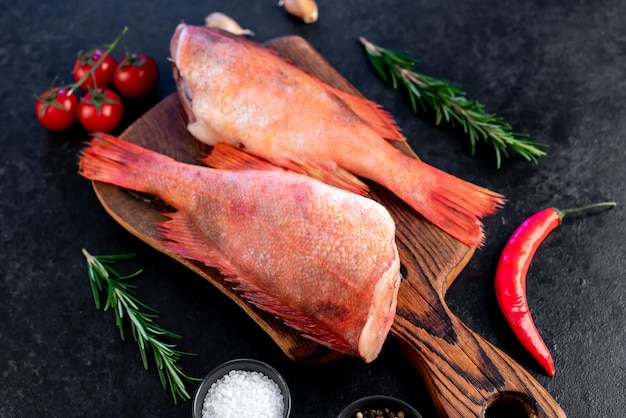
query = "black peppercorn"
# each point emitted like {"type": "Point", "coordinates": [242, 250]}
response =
{"type": "Point", "coordinates": [379, 413]}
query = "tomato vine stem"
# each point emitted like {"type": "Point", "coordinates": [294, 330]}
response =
{"type": "Point", "coordinates": [108, 51]}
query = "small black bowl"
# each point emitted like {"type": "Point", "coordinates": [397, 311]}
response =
{"type": "Point", "coordinates": [379, 402]}
{"type": "Point", "coordinates": [248, 365]}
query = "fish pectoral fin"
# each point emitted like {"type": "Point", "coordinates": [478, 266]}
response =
{"type": "Point", "coordinates": [330, 173]}
{"type": "Point", "coordinates": [226, 157]}
{"type": "Point", "coordinates": [371, 113]}
{"type": "Point", "coordinates": [183, 238]}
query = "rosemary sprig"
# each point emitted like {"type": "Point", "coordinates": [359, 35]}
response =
{"type": "Point", "coordinates": [451, 104]}
{"type": "Point", "coordinates": [120, 297]}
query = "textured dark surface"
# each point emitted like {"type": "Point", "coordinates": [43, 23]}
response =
{"type": "Point", "coordinates": [553, 69]}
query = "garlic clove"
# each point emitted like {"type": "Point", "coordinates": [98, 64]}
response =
{"type": "Point", "coordinates": [304, 9]}
{"type": "Point", "coordinates": [222, 21]}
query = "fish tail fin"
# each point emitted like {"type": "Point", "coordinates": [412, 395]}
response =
{"type": "Point", "coordinates": [113, 160]}
{"type": "Point", "coordinates": [454, 205]}
{"type": "Point", "coordinates": [227, 157]}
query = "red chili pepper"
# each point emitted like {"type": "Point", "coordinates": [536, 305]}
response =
{"type": "Point", "coordinates": [511, 278]}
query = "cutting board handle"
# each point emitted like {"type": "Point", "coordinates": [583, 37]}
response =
{"type": "Point", "coordinates": [464, 372]}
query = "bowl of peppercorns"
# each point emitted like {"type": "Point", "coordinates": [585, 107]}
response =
{"type": "Point", "coordinates": [379, 406]}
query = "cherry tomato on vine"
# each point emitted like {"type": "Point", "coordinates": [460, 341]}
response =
{"type": "Point", "coordinates": [136, 75]}
{"type": "Point", "coordinates": [100, 110]}
{"type": "Point", "coordinates": [102, 76]}
{"type": "Point", "coordinates": [57, 108]}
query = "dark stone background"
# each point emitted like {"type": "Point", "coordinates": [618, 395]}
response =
{"type": "Point", "coordinates": [553, 69]}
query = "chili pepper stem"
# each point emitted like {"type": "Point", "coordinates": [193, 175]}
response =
{"type": "Point", "coordinates": [563, 212]}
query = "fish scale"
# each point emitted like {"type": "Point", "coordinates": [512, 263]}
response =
{"type": "Point", "coordinates": [238, 92]}
{"type": "Point", "coordinates": [266, 231]}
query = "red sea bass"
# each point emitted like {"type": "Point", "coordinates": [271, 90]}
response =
{"type": "Point", "coordinates": [241, 93]}
{"type": "Point", "coordinates": [322, 259]}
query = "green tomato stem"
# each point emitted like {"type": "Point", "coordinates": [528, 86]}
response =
{"type": "Point", "coordinates": [100, 60]}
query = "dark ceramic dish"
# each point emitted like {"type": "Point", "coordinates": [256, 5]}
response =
{"type": "Point", "coordinates": [248, 365]}
{"type": "Point", "coordinates": [379, 402]}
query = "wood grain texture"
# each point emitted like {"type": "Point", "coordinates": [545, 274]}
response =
{"type": "Point", "coordinates": [464, 372]}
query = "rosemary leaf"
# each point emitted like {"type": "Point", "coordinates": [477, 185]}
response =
{"type": "Point", "coordinates": [450, 104]}
{"type": "Point", "coordinates": [122, 300]}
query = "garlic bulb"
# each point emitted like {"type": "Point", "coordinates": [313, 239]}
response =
{"type": "Point", "coordinates": [304, 9]}
{"type": "Point", "coordinates": [222, 21]}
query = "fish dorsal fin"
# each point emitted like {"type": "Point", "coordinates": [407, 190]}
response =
{"type": "Point", "coordinates": [371, 113]}
{"type": "Point", "coordinates": [226, 157]}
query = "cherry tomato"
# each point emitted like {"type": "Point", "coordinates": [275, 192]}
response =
{"type": "Point", "coordinates": [100, 110]}
{"type": "Point", "coordinates": [56, 109]}
{"type": "Point", "coordinates": [102, 76]}
{"type": "Point", "coordinates": [136, 76]}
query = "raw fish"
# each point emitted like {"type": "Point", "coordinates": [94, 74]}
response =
{"type": "Point", "coordinates": [322, 259]}
{"type": "Point", "coordinates": [241, 93]}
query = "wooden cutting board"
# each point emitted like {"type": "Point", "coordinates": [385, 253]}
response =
{"type": "Point", "coordinates": [464, 372]}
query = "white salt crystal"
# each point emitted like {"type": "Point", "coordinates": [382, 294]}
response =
{"type": "Point", "coordinates": [243, 394]}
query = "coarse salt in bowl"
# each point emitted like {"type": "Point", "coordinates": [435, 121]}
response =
{"type": "Point", "coordinates": [242, 388]}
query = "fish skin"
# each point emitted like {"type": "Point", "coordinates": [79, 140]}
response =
{"type": "Point", "coordinates": [322, 259]}
{"type": "Point", "coordinates": [241, 93]}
